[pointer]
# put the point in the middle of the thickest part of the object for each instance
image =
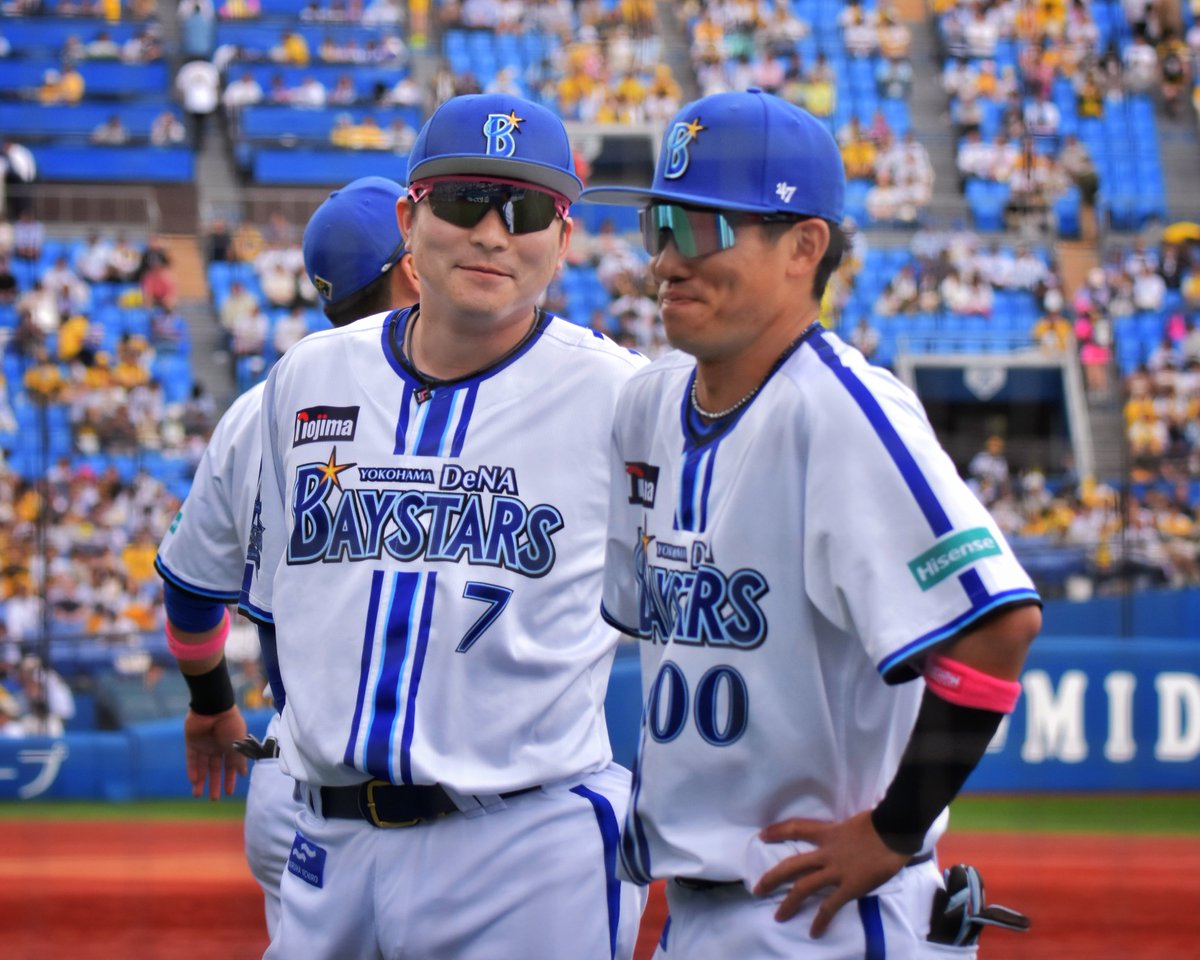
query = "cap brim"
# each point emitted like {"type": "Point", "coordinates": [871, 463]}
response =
{"type": "Point", "coordinates": [641, 197]}
{"type": "Point", "coordinates": [538, 174]}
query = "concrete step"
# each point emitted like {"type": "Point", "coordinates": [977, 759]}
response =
{"type": "Point", "coordinates": [187, 266]}
{"type": "Point", "coordinates": [1075, 259]}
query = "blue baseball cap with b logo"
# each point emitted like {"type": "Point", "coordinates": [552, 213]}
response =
{"type": "Point", "coordinates": [353, 237]}
{"type": "Point", "coordinates": [748, 151]}
{"type": "Point", "coordinates": [496, 135]}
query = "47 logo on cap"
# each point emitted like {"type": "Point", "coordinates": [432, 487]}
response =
{"type": "Point", "coordinates": [314, 424]}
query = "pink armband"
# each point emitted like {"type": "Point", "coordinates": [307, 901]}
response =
{"type": "Point", "coordinates": [199, 651]}
{"type": "Point", "coordinates": [965, 686]}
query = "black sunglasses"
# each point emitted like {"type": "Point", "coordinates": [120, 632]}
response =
{"type": "Point", "coordinates": [465, 203]}
{"type": "Point", "coordinates": [697, 232]}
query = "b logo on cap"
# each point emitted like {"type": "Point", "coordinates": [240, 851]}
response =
{"type": "Point", "coordinates": [681, 137]}
{"type": "Point", "coordinates": [499, 130]}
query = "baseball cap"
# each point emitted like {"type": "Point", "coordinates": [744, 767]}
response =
{"type": "Point", "coordinates": [496, 135]}
{"type": "Point", "coordinates": [353, 237]}
{"type": "Point", "coordinates": [748, 151]}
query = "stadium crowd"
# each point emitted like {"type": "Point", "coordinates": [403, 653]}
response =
{"type": "Point", "coordinates": [95, 350]}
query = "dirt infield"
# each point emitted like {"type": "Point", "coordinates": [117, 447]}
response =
{"type": "Point", "coordinates": [154, 890]}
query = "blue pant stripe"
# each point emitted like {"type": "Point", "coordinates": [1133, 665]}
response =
{"type": "Point", "coordinates": [610, 833]}
{"type": "Point", "coordinates": [872, 922]}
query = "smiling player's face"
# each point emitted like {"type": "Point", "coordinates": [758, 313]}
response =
{"type": "Point", "coordinates": [713, 306]}
{"type": "Point", "coordinates": [481, 274]}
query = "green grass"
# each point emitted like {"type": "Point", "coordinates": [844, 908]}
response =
{"type": "Point", "coordinates": [227, 808]}
{"type": "Point", "coordinates": [1177, 813]}
{"type": "Point", "coordinates": [1160, 813]}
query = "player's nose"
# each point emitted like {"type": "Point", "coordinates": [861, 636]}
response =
{"type": "Point", "coordinates": [491, 231]}
{"type": "Point", "coordinates": [668, 264]}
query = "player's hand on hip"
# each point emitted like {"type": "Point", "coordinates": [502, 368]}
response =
{"type": "Point", "coordinates": [849, 861]}
{"type": "Point", "coordinates": [208, 746]}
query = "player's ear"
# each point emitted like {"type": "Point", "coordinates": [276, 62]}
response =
{"type": "Point", "coordinates": [808, 240]}
{"type": "Point", "coordinates": [404, 214]}
{"type": "Point", "coordinates": [564, 239]}
{"type": "Point", "coordinates": [408, 277]}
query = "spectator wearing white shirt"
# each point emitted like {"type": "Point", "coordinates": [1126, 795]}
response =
{"type": "Point", "coordinates": [91, 260]}
{"type": "Point", "coordinates": [1028, 271]}
{"type": "Point", "coordinates": [1140, 60]}
{"type": "Point", "coordinates": [981, 34]}
{"type": "Point", "coordinates": [198, 83]}
{"type": "Point", "coordinates": [166, 130]}
{"type": "Point", "coordinates": [1149, 289]}
{"type": "Point", "coordinates": [240, 93]}
{"type": "Point", "coordinates": [290, 329]}
{"type": "Point", "coordinates": [974, 159]}
{"type": "Point", "coordinates": [310, 94]}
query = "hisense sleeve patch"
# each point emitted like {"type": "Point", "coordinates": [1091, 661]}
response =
{"type": "Point", "coordinates": [951, 554]}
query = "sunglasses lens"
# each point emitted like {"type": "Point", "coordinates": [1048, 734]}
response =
{"type": "Point", "coordinates": [465, 204]}
{"type": "Point", "coordinates": [696, 233]}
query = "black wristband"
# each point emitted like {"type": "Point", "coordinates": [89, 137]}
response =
{"type": "Point", "coordinates": [946, 744]}
{"type": "Point", "coordinates": [212, 692]}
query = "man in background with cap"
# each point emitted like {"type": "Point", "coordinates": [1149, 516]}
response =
{"type": "Point", "coordinates": [427, 556]}
{"type": "Point", "coordinates": [355, 256]}
{"type": "Point", "coordinates": [790, 545]}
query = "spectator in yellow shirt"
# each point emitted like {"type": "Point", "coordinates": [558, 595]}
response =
{"type": "Point", "coordinates": [292, 49]}
{"type": "Point", "coordinates": [364, 135]}
{"type": "Point", "coordinates": [138, 557]}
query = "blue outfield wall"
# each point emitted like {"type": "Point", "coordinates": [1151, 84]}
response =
{"type": "Point", "coordinates": [1099, 712]}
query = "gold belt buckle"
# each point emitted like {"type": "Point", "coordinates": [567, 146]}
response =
{"type": "Point", "coordinates": [375, 818]}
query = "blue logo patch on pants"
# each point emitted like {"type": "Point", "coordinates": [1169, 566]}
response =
{"type": "Point", "coordinates": [307, 861]}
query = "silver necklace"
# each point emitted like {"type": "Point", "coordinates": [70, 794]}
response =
{"type": "Point", "coordinates": [750, 396]}
{"type": "Point", "coordinates": [721, 413]}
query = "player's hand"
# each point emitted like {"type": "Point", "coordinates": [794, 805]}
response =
{"type": "Point", "coordinates": [850, 860]}
{"type": "Point", "coordinates": [208, 746]}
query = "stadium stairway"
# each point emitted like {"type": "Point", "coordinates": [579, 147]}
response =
{"type": "Point", "coordinates": [210, 361]}
{"type": "Point", "coordinates": [673, 31]}
{"type": "Point", "coordinates": [930, 113]}
{"type": "Point", "coordinates": [1178, 148]}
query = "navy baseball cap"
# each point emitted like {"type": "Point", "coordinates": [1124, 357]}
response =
{"type": "Point", "coordinates": [748, 151]}
{"type": "Point", "coordinates": [353, 237]}
{"type": "Point", "coordinates": [496, 135]}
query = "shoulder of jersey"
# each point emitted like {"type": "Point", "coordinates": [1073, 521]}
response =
{"type": "Point", "coordinates": [572, 335]}
{"type": "Point", "coordinates": [241, 415]}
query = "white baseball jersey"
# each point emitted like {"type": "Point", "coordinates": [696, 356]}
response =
{"type": "Point", "coordinates": [431, 558]}
{"type": "Point", "coordinates": [781, 567]}
{"type": "Point", "coordinates": [204, 550]}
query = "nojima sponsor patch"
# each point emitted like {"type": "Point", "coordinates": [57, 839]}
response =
{"type": "Point", "coordinates": [314, 424]}
{"type": "Point", "coordinates": [951, 554]}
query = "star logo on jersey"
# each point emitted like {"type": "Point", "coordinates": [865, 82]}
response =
{"type": "Point", "coordinates": [331, 469]}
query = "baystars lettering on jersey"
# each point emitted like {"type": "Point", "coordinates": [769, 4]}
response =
{"type": "Point", "coordinates": [701, 605]}
{"type": "Point", "coordinates": [451, 522]}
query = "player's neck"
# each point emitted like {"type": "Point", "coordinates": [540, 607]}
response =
{"type": "Point", "coordinates": [729, 380]}
{"type": "Point", "coordinates": [450, 348]}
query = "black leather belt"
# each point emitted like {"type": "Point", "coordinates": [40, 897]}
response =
{"type": "Point", "coordinates": [699, 883]}
{"type": "Point", "coordinates": [386, 805]}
